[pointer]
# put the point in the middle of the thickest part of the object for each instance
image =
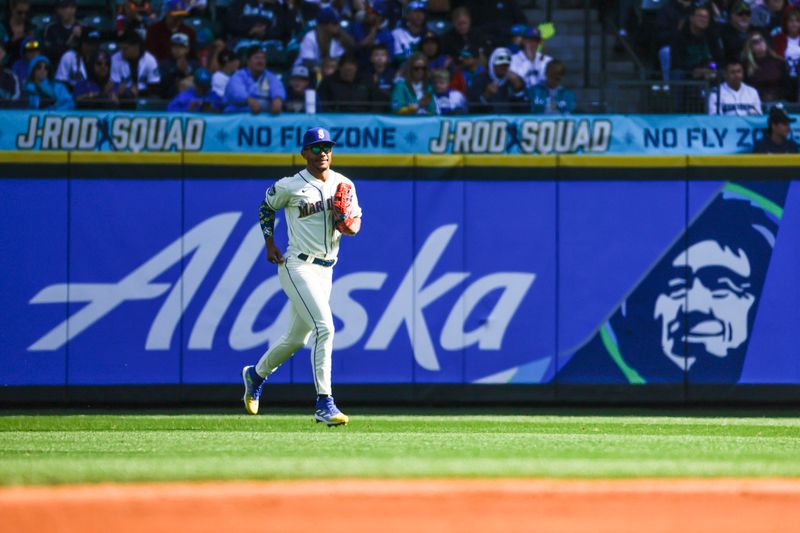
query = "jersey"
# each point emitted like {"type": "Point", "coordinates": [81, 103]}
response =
{"type": "Point", "coordinates": [530, 70]}
{"type": "Point", "coordinates": [147, 71]}
{"type": "Point", "coordinates": [308, 207]}
{"type": "Point", "coordinates": [725, 101]}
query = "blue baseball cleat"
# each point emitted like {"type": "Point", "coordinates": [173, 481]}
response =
{"type": "Point", "coordinates": [330, 414]}
{"type": "Point", "coordinates": [253, 385]}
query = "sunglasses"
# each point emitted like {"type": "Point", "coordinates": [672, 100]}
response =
{"type": "Point", "coordinates": [101, 63]}
{"type": "Point", "coordinates": [317, 148]}
{"type": "Point", "coordinates": [418, 68]}
{"type": "Point", "coordinates": [32, 45]}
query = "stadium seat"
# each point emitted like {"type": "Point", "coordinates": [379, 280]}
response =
{"type": "Point", "coordinates": [94, 5]}
{"type": "Point", "coordinates": [110, 47]}
{"type": "Point", "coordinates": [439, 27]}
{"type": "Point", "coordinates": [101, 23]}
{"type": "Point", "coordinates": [653, 5]}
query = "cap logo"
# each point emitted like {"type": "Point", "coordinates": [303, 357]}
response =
{"type": "Point", "coordinates": [320, 133]}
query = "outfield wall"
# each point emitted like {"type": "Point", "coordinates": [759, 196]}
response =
{"type": "Point", "coordinates": [476, 278]}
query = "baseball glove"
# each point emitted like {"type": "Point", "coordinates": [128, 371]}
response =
{"type": "Point", "coordinates": [342, 200]}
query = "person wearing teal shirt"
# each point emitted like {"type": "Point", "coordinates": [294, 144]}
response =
{"type": "Point", "coordinates": [42, 91]}
{"type": "Point", "coordinates": [550, 97]}
{"type": "Point", "coordinates": [412, 94]}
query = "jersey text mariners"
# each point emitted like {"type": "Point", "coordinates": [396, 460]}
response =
{"type": "Point", "coordinates": [723, 100]}
{"type": "Point", "coordinates": [308, 205]}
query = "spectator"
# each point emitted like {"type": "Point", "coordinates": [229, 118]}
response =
{"type": "Point", "coordinates": [63, 33]}
{"type": "Point", "coordinates": [18, 27]}
{"type": "Point", "coordinates": [72, 67]}
{"type": "Point", "coordinates": [31, 48]}
{"type": "Point", "coordinates": [408, 36]}
{"type": "Point", "coordinates": [254, 88]}
{"type": "Point", "coordinates": [198, 97]}
{"type": "Point", "coordinates": [299, 83]}
{"type": "Point", "coordinates": [669, 21]}
{"type": "Point", "coordinates": [733, 97]}
{"type": "Point", "coordinates": [176, 72]}
{"type": "Point", "coordinates": [517, 33]}
{"type": "Point", "coordinates": [463, 35]}
{"type": "Point", "coordinates": [159, 35]}
{"type": "Point", "coordinates": [495, 19]}
{"type": "Point", "coordinates": [468, 68]}
{"type": "Point", "coordinates": [259, 20]}
{"type": "Point", "coordinates": [373, 30]}
{"type": "Point", "coordinates": [134, 15]}
{"type": "Point", "coordinates": [228, 63]}
{"type": "Point", "coordinates": [764, 69]}
{"type": "Point", "coordinates": [529, 63]}
{"type": "Point", "coordinates": [734, 34]}
{"type": "Point", "coordinates": [787, 45]}
{"type": "Point", "coordinates": [134, 70]}
{"type": "Point", "coordinates": [695, 48]}
{"type": "Point", "coordinates": [42, 91]}
{"type": "Point", "coordinates": [448, 101]}
{"type": "Point", "coordinates": [383, 74]}
{"type": "Point", "coordinates": [347, 91]}
{"type": "Point", "coordinates": [498, 90]}
{"type": "Point", "coordinates": [768, 17]}
{"type": "Point", "coordinates": [96, 91]}
{"type": "Point", "coordinates": [776, 139]}
{"type": "Point", "coordinates": [550, 97]}
{"type": "Point", "coordinates": [412, 93]}
{"type": "Point", "coordinates": [429, 46]}
{"type": "Point", "coordinates": [9, 84]}
{"type": "Point", "coordinates": [329, 67]}
{"type": "Point", "coordinates": [326, 41]}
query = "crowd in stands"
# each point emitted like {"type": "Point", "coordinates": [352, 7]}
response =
{"type": "Point", "coordinates": [747, 50]}
{"type": "Point", "coordinates": [408, 57]}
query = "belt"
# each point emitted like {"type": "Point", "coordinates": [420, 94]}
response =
{"type": "Point", "coordinates": [316, 260]}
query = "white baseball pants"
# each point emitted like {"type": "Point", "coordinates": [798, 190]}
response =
{"type": "Point", "coordinates": [308, 287]}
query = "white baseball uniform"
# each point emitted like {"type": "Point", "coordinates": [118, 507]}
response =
{"type": "Point", "coordinates": [308, 208]}
{"type": "Point", "coordinates": [723, 100]}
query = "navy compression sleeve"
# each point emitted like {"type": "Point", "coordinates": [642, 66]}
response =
{"type": "Point", "coordinates": [266, 217]}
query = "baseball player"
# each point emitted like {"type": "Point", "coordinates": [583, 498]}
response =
{"type": "Point", "coordinates": [320, 206]}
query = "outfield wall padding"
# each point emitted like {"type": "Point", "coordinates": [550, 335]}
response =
{"type": "Point", "coordinates": [534, 279]}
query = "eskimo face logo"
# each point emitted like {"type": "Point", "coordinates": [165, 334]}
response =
{"type": "Point", "coordinates": [706, 304]}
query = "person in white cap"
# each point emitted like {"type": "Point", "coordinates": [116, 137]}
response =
{"type": "Point", "coordinates": [299, 83]}
{"type": "Point", "coordinates": [176, 71]}
{"type": "Point", "coordinates": [498, 89]}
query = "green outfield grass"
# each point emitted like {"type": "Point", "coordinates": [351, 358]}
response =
{"type": "Point", "coordinates": [84, 446]}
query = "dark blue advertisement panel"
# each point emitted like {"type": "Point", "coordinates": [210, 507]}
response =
{"type": "Point", "coordinates": [33, 281]}
{"type": "Point", "coordinates": [164, 281]}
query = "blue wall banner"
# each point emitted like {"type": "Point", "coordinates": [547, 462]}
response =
{"type": "Point", "coordinates": [120, 281]}
{"type": "Point", "coordinates": [382, 134]}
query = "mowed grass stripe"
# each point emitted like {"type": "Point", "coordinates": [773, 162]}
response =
{"type": "Point", "coordinates": [93, 448]}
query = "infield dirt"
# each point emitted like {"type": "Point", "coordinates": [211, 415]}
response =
{"type": "Point", "coordinates": [416, 506]}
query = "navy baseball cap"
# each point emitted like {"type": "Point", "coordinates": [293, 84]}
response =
{"type": "Point", "coordinates": [316, 136]}
{"type": "Point", "coordinates": [202, 77]}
